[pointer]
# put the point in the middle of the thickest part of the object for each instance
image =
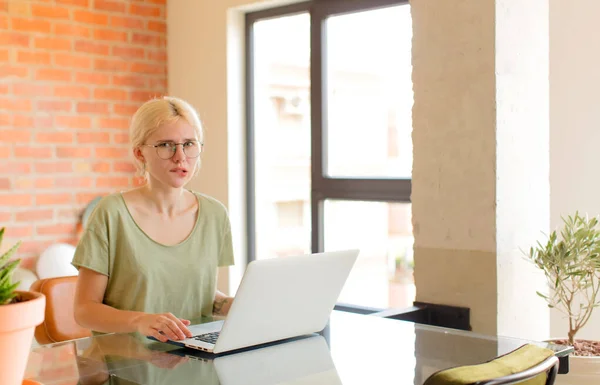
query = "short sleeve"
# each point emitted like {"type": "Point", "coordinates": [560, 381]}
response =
{"type": "Point", "coordinates": [226, 247]}
{"type": "Point", "coordinates": [92, 252]}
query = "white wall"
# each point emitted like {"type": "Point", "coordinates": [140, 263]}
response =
{"type": "Point", "coordinates": [574, 121]}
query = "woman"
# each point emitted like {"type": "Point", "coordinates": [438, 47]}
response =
{"type": "Point", "coordinates": [148, 258]}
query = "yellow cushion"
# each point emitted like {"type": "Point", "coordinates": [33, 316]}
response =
{"type": "Point", "coordinates": [516, 361]}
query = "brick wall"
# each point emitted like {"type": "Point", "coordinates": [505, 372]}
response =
{"type": "Point", "coordinates": [71, 74]}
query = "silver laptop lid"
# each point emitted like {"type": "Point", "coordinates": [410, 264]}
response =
{"type": "Point", "coordinates": [285, 297]}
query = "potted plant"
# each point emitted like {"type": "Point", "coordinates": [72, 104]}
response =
{"type": "Point", "coordinates": [20, 313]}
{"type": "Point", "coordinates": [571, 264]}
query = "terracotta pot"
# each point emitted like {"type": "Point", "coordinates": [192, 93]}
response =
{"type": "Point", "coordinates": [17, 324]}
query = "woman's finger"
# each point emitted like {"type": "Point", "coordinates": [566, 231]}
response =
{"type": "Point", "coordinates": [180, 326]}
{"type": "Point", "coordinates": [156, 334]}
{"type": "Point", "coordinates": [175, 329]}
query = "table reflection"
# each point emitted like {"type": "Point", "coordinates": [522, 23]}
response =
{"type": "Point", "coordinates": [353, 349]}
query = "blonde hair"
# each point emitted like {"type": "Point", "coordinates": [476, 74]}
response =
{"type": "Point", "coordinates": [156, 112]}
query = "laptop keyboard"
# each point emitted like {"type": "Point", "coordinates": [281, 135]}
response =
{"type": "Point", "coordinates": [211, 338]}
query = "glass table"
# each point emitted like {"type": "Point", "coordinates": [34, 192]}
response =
{"type": "Point", "coordinates": [352, 349]}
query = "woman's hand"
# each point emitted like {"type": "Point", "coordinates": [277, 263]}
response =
{"type": "Point", "coordinates": [163, 326]}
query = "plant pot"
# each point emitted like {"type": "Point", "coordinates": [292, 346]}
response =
{"type": "Point", "coordinates": [583, 370]}
{"type": "Point", "coordinates": [17, 324]}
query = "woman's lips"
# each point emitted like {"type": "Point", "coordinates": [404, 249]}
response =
{"type": "Point", "coordinates": [179, 171]}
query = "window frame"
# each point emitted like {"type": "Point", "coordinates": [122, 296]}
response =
{"type": "Point", "coordinates": [322, 187]}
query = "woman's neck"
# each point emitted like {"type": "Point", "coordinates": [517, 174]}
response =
{"type": "Point", "coordinates": [164, 201]}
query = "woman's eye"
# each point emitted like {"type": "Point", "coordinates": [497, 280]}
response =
{"type": "Point", "coordinates": [189, 144]}
{"type": "Point", "coordinates": [164, 145]}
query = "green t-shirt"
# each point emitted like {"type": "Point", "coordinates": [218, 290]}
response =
{"type": "Point", "coordinates": [146, 276]}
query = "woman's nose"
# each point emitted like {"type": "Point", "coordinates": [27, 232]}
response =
{"type": "Point", "coordinates": [179, 154]}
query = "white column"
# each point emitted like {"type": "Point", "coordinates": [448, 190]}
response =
{"type": "Point", "coordinates": [481, 161]}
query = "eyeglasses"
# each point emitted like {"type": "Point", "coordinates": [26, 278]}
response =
{"type": "Point", "coordinates": [166, 150]}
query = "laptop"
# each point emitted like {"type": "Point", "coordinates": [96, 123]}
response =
{"type": "Point", "coordinates": [277, 299]}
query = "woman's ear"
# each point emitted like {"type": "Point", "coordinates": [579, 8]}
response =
{"type": "Point", "coordinates": [137, 152]}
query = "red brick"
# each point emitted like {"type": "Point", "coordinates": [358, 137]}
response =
{"type": "Point", "coordinates": [52, 43]}
{"type": "Point", "coordinates": [147, 39]}
{"type": "Point", "coordinates": [81, 182]}
{"type": "Point", "coordinates": [29, 25]}
{"type": "Point", "coordinates": [75, 92]}
{"type": "Point", "coordinates": [145, 10]}
{"type": "Point", "coordinates": [157, 26]}
{"type": "Point", "coordinates": [14, 39]}
{"type": "Point", "coordinates": [92, 108]}
{"type": "Point", "coordinates": [88, 17]}
{"type": "Point", "coordinates": [130, 80]}
{"type": "Point", "coordinates": [111, 65]}
{"type": "Point", "coordinates": [54, 105]}
{"type": "Point", "coordinates": [158, 83]}
{"type": "Point", "coordinates": [92, 78]}
{"type": "Point", "coordinates": [4, 89]}
{"type": "Point", "coordinates": [121, 138]}
{"type": "Point", "coordinates": [112, 182]}
{"type": "Point", "coordinates": [74, 121]}
{"type": "Point", "coordinates": [81, 3]}
{"type": "Point", "coordinates": [93, 137]}
{"type": "Point", "coordinates": [111, 152]}
{"type": "Point", "coordinates": [59, 229]}
{"type": "Point", "coordinates": [73, 152]}
{"type": "Point", "coordinates": [15, 200]}
{"type": "Point", "coordinates": [106, 34]}
{"type": "Point", "coordinates": [44, 183]}
{"type": "Point", "coordinates": [54, 167]}
{"type": "Point", "coordinates": [31, 89]}
{"type": "Point", "coordinates": [27, 57]}
{"type": "Point", "coordinates": [33, 152]}
{"type": "Point", "coordinates": [4, 152]}
{"type": "Point", "coordinates": [53, 74]}
{"type": "Point", "coordinates": [13, 71]}
{"type": "Point", "coordinates": [129, 52]}
{"type": "Point", "coordinates": [102, 167]}
{"type": "Point", "coordinates": [24, 121]}
{"type": "Point", "coordinates": [142, 96]}
{"type": "Point", "coordinates": [110, 94]}
{"type": "Point", "coordinates": [15, 168]}
{"type": "Point", "coordinates": [124, 167]}
{"type": "Point", "coordinates": [15, 105]}
{"type": "Point", "coordinates": [92, 47]}
{"type": "Point", "coordinates": [4, 184]}
{"type": "Point", "coordinates": [145, 68]}
{"type": "Point", "coordinates": [69, 60]}
{"type": "Point", "coordinates": [5, 217]}
{"type": "Point", "coordinates": [40, 122]}
{"type": "Point", "coordinates": [35, 247]}
{"type": "Point", "coordinates": [12, 136]}
{"type": "Point", "coordinates": [24, 183]}
{"type": "Point", "coordinates": [72, 30]}
{"type": "Point", "coordinates": [160, 56]}
{"type": "Point", "coordinates": [86, 198]}
{"type": "Point", "coordinates": [54, 137]}
{"type": "Point", "coordinates": [34, 215]}
{"type": "Point", "coordinates": [110, 6]}
{"type": "Point", "coordinates": [117, 123]}
{"type": "Point", "coordinates": [127, 22]}
{"type": "Point", "coordinates": [5, 119]}
{"type": "Point", "coordinates": [17, 232]}
{"type": "Point", "coordinates": [38, 10]}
